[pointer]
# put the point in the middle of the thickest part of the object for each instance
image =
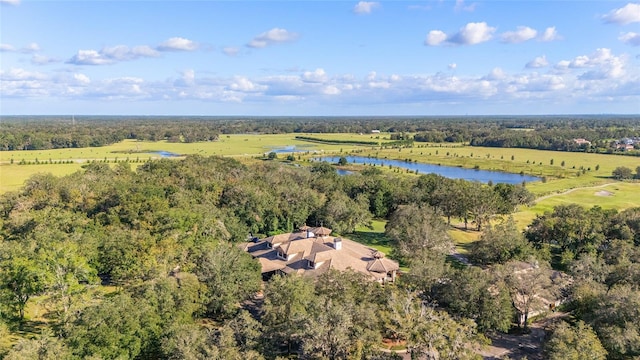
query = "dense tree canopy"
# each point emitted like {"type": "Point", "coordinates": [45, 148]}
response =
{"type": "Point", "coordinates": [164, 239]}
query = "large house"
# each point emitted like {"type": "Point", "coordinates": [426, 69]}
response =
{"type": "Point", "coordinates": [311, 251]}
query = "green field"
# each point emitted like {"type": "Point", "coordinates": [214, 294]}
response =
{"type": "Point", "coordinates": [228, 145]}
{"type": "Point", "coordinates": [535, 162]}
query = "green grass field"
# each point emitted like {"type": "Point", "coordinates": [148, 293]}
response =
{"type": "Point", "coordinates": [12, 177]}
{"type": "Point", "coordinates": [535, 162]}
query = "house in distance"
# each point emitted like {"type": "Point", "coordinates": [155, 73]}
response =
{"type": "Point", "coordinates": [311, 251]}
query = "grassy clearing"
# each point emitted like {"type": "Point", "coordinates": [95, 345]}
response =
{"type": "Point", "coordinates": [373, 237]}
{"type": "Point", "coordinates": [12, 177]}
{"type": "Point", "coordinates": [463, 238]}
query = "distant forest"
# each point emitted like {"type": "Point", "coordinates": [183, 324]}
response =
{"type": "Point", "coordinates": [534, 132]}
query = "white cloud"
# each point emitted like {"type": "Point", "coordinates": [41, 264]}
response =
{"type": "Point", "coordinates": [177, 44]}
{"type": "Point", "coordinates": [188, 78]}
{"type": "Point", "coordinates": [435, 37]}
{"type": "Point", "coordinates": [7, 48]}
{"type": "Point", "coordinates": [539, 62]}
{"type": "Point", "coordinates": [331, 90]}
{"type": "Point", "coordinates": [549, 34]}
{"type": "Point", "coordinates": [89, 57]}
{"type": "Point", "coordinates": [15, 74]}
{"type": "Point", "coordinates": [144, 51]}
{"type": "Point", "coordinates": [585, 77]}
{"type": "Point", "coordinates": [601, 65]}
{"type": "Point", "coordinates": [460, 6]}
{"type": "Point", "coordinates": [472, 33]}
{"type": "Point", "coordinates": [82, 79]}
{"type": "Point", "coordinates": [627, 14]}
{"type": "Point", "coordinates": [230, 51]}
{"type": "Point", "coordinates": [365, 7]}
{"type": "Point", "coordinates": [124, 53]}
{"type": "Point", "coordinates": [630, 38]}
{"type": "Point", "coordinates": [28, 49]}
{"type": "Point", "coordinates": [38, 59]}
{"type": "Point", "coordinates": [10, 2]}
{"type": "Point", "coordinates": [495, 74]}
{"type": "Point", "coordinates": [243, 84]}
{"type": "Point", "coordinates": [563, 64]}
{"type": "Point", "coordinates": [112, 54]}
{"type": "Point", "coordinates": [522, 34]}
{"type": "Point", "coordinates": [33, 47]}
{"type": "Point", "coordinates": [317, 76]}
{"type": "Point", "coordinates": [271, 37]}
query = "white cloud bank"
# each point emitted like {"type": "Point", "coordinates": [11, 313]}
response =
{"type": "Point", "coordinates": [10, 2]}
{"type": "Point", "coordinates": [601, 76]}
{"type": "Point", "coordinates": [272, 37]}
{"type": "Point", "coordinates": [627, 14]}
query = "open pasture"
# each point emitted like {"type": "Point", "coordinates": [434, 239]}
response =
{"type": "Point", "coordinates": [12, 177]}
{"type": "Point", "coordinates": [228, 145]}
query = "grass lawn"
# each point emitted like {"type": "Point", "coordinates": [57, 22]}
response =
{"type": "Point", "coordinates": [373, 237]}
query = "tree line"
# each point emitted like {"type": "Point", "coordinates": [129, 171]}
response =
{"type": "Point", "coordinates": [544, 132]}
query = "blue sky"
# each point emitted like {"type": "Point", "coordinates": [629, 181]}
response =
{"type": "Point", "coordinates": [319, 57]}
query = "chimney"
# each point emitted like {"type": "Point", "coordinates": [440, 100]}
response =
{"type": "Point", "coordinates": [337, 243]}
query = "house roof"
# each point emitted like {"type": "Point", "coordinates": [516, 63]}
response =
{"type": "Point", "coordinates": [299, 250]}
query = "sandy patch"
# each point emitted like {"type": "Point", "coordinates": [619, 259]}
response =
{"type": "Point", "coordinates": [604, 193]}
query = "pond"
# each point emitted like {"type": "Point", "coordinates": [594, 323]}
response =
{"type": "Point", "coordinates": [451, 172]}
{"type": "Point", "coordinates": [165, 154]}
{"type": "Point", "coordinates": [289, 149]}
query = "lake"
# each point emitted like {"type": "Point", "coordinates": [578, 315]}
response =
{"type": "Point", "coordinates": [451, 172]}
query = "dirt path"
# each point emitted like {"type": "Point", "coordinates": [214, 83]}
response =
{"type": "Point", "coordinates": [519, 346]}
{"type": "Point", "coordinates": [572, 190]}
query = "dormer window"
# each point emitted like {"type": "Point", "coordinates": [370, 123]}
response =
{"type": "Point", "coordinates": [282, 255]}
{"type": "Point", "coordinates": [311, 264]}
